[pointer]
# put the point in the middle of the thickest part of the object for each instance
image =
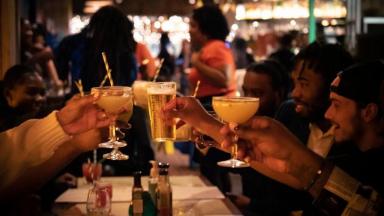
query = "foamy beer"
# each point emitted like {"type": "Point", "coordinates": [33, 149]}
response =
{"type": "Point", "coordinates": [158, 95]}
{"type": "Point", "coordinates": [140, 93]}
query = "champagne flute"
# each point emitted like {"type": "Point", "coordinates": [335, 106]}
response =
{"type": "Point", "coordinates": [113, 99]}
{"type": "Point", "coordinates": [235, 110]}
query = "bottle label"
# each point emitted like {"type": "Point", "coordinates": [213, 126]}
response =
{"type": "Point", "coordinates": [137, 206]}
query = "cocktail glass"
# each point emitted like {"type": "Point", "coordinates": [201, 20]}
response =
{"type": "Point", "coordinates": [235, 110]}
{"type": "Point", "coordinates": [114, 99]}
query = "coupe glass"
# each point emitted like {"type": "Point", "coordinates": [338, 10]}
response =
{"type": "Point", "coordinates": [113, 99]}
{"type": "Point", "coordinates": [235, 110]}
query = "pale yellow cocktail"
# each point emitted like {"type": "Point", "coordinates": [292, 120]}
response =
{"type": "Point", "coordinates": [235, 110]}
{"type": "Point", "coordinates": [115, 99]}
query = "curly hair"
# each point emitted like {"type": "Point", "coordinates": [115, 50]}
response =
{"type": "Point", "coordinates": [109, 31]}
{"type": "Point", "coordinates": [325, 59]}
{"type": "Point", "coordinates": [211, 22]}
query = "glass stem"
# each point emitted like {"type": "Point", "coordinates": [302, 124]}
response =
{"type": "Point", "coordinates": [112, 131]}
{"type": "Point", "coordinates": [234, 147]}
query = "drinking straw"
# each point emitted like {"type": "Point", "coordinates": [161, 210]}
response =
{"type": "Point", "coordinates": [158, 70]}
{"type": "Point", "coordinates": [196, 88]}
{"type": "Point", "coordinates": [145, 61]}
{"type": "Point", "coordinates": [79, 86]}
{"type": "Point", "coordinates": [108, 70]}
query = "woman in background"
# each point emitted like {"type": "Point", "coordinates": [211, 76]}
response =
{"type": "Point", "coordinates": [212, 61]}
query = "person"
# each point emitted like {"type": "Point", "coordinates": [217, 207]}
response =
{"type": "Point", "coordinates": [212, 61]}
{"type": "Point", "coordinates": [24, 98]}
{"type": "Point", "coordinates": [315, 67]}
{"type": "Point", "coordinates": [284, 53]}
{"type": "Point", "coordinates": [356, 111]}
{"type": "Point", "coordinates": [109, 31]}
{"type": "Point", "coordinates": [182, 65]}
{"type": "Point", "coordinates": [269, 81]}
{"type": "Point", "coordinates": [145, 60]}
{"type": "Point", "coordinates": [266, 80]}
{"type": "Point", "coordinates": [38, 56]}
{"type": "Point", "coordinates": [167, 70]}
{"type": "Point", "coordinates": [23, 95]}
{"type": "Point", "coordinates": [242, 57]}
{"type": "Point", "coordinates": [36, 141]}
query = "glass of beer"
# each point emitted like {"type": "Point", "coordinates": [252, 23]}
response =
{"type": "Point", "coordinates": [114, 99]}
{"type": "Point", "coordinates": [235, 110]}
{"type": "Point", "coordinates": [159, 94]}
{"type": "Point", "coordinates": [140, 95]}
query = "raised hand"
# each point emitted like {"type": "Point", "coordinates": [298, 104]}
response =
{"type": "Point", "coordinates": [81, 114]}
{"type": "Point", "coordinates": [272, 149]}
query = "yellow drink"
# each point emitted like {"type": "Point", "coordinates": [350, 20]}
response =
{"type": "Point", "coordinates": [112, 104]}
{"type": "Point", "coordinates": [114, 99]}
{"type": "Point", "coordinates": [140, 93]}
{"type": "Point", "coordinates": [235, 109]}
{"type": "Point", "coordinates": [160, 94]}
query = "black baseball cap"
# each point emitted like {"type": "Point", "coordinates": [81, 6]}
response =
{"type": "Point", "coordinates": [362, 83]}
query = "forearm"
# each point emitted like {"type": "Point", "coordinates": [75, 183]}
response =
{"type": "Point", "coordinates": [215, 76]}
{"type": "Point", "coordinates": [35, 177]}
{"type": "Point", "coordinates": [312, 171]}
{"type": "Point", "coordinates": [211, 127]}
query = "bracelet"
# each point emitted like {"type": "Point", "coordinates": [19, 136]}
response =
{"type": "Point", "coordinates": [319, 172]}
{"type": "Point", "coordinates": [201, 144]}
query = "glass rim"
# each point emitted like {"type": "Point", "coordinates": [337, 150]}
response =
{"type": "Point", "coordinates": [112, 88]}
{"type": "Point", "coordinates": [162, 83]}
{"type": "Point", "coordinates": [235, 98]}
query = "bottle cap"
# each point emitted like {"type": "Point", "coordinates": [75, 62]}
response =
{"type": "Point", "coordinates": [154, 172]}
{"type": "Point", "coordinates": [163, 168]}
{"type": "Point", "coordinates": [137, 173]}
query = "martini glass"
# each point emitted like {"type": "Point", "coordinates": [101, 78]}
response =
{"type": "Point", "coordinates": [113, 99]}
{"type": "Point", "coordinates": [235, 110]}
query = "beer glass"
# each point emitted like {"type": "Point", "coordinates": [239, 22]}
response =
{"type": "Point", "coordinates": [235, 110]}
{"type": "Point", "coordinates": [113, 99]}
{"type": "Point", "coordinates": [160, 93]}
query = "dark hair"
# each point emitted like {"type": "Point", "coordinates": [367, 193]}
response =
{"type": "Point", "coordinates": [15, 75]}
{"type": "Point", "coordinates": [325, 59]}
{"type": "Point", "coordinates": [109, 31]}
{"type": "Point", "coordinates": [286, 39]}
{"type": "Point", "coordinates": [278, 75]}
{"type": "Point", "coordinates": [211, 22]}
